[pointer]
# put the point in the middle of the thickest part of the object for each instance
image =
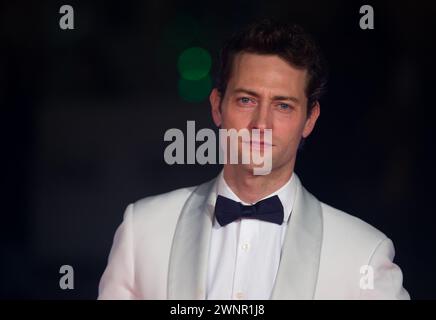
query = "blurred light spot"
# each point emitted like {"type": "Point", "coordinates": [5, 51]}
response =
{"type": "Point", "coordinates": [194, 63]}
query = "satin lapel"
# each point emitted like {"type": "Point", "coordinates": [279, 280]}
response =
{"type": "Point", "coordinates": [298, 271]}
{"type": "Point", "coordinates": [187, 273]}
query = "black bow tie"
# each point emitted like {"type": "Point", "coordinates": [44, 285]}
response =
{"type": "Point", "coordinates": [227, 210]}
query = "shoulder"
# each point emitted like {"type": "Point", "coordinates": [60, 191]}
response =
{"type": "Point", "coordinates": [342, 227]}
{"type": "Point", "coordinates": [170, 200]}
{"type": "Point", "coordinates": [161, 206]}
{"type": "Point", "coordinates": [165, 207]}
{"type": "Point", "coordinates": [349, 247]}
{"type": "Point", "coordinates": [154, 218]}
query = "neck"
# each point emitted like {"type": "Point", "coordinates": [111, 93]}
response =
{"type": "Point", "coordinates": [251, 188]}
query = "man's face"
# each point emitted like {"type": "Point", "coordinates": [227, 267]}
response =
{"type": "Point", "coordinates": [265, 92]}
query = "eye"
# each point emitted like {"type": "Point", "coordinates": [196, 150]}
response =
{"type": "Point", "coordinates": [284, 107]}
{"type": "Point", "coordinates": [244, 100]}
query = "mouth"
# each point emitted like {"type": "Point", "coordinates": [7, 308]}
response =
{"type": "Point", "coordinates": [259, 144]}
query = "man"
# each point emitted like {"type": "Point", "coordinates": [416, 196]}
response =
{"type": "Point", "coordinates": [247, 236]}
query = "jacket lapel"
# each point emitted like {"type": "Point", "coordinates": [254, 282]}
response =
{"type": "Point", "coordinates": [187, 273]}
{"type": "Point", "coordinates": [298, 271]}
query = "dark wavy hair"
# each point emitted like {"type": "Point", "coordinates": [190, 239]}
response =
{"type": "Point", "coordinates": [288, 41]}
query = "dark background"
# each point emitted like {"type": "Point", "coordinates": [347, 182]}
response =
{"type": "Point", "coordinates": [84, 113]}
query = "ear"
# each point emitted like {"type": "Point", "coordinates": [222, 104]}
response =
{"type": "Point", "coordinates": [215, 101]}
{"type": "Point", "coordinates": [311, 120]}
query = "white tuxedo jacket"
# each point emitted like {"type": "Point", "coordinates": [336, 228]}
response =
{"type": "Point", "coordinates": [160, 251]}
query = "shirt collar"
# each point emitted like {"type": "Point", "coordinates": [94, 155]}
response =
{"type": "Point", "coordinates": [286, 193]}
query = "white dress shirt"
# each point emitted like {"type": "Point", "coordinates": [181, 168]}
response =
{"type": "Point", "coordinates": [244, 255]}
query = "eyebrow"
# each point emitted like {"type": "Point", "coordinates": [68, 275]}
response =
{"type": "Point", "coordinates": [255, 94]}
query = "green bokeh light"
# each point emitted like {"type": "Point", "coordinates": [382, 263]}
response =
{"type": "Point", "coordinates": [195, 90]}
{"type": "Point", "coordinates": [194, 63]}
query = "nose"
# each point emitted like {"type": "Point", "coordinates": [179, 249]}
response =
{"type": "Point", "coordinates": [262, 118]}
